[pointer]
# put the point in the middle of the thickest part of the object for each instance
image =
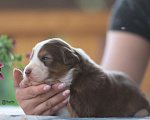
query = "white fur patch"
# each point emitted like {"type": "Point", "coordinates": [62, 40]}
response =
{"type": "Point", "coordinates": [142, 113]}
{"type": "Point", "coordinates": [39, 70]}
{"type": "Point", "coordinates": [68, 78]}
{"type": "Point", "coordinates": [63, 112]}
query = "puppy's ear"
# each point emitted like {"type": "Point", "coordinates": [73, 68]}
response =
{"type": "Point", "coordinates": [69, 57]}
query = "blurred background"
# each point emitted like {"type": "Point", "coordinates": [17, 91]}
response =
{"type": "Point", "coordinates": [82, 23]}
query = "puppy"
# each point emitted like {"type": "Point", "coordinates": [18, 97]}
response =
{"type": "Point", "coordinates": [94, 92]}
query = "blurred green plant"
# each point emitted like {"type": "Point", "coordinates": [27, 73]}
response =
{"type": "Point", "coordinates": [9, 60]}
{"type": "Point", "coordinates": [7, 57]}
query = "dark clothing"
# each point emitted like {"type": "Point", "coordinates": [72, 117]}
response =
{"type": "Point", "coordinates": [132, 16]}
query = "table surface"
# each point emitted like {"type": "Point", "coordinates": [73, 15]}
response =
{"type": "Point", "coordinates": [16, 113]}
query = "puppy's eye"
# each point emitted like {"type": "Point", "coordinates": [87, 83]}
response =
{"type": "Point", "coordinates": [44, 58]}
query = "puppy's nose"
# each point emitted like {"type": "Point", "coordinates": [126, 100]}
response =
{"type": "Point", "coordinates": [28, 72]}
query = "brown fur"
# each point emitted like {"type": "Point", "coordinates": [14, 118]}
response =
{"type": "Point", "coordinates": [93, 92]}
{"type": "Point", "coordinates": [57, 70]}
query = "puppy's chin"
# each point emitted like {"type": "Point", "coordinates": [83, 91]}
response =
{"type": "Point", "coordinates": [32, 81]}
{"type": "Point", "coordinates": [26, 82]}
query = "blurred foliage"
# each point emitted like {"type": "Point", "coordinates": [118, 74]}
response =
{"type": "Point", "coordinates": [9, 60]}
{"type": "Point", "coordinates": [7, 92]}
{"type": "Point", "coordinates": [6, 55]}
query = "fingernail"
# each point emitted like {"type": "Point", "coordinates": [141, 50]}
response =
{"type": "Point", "coordinates": [66, 92]}
{"type": "Point", "coordinates": [65, 101]}
{"type": "Point", "coordinates": [62, 85]}
{"type": "Point", "coordinates": [47, 87]}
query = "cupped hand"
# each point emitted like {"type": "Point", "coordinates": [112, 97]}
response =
{"type": "Point", "coordinates": [42, 99]}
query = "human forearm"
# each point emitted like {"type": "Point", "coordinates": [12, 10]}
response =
{"type": "Point", "coordinates": [126, 52]}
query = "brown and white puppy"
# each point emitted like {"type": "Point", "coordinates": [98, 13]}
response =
{"type": "Point", "coordinates": [94, 92]}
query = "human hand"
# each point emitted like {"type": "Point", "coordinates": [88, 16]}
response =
{"type": "Point", "coordinates": [42, 99]}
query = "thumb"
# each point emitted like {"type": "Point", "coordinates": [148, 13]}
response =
{"type": "Point", "coordinates": [17, 77]}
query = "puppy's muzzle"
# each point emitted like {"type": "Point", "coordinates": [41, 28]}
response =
{"type": "Point", "coordinates": [28, 72]}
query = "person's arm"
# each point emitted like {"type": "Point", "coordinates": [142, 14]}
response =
{"type": "Point", "coordinates": [39, 100]}
{"type": "Point", "coordinates": [126, 52]}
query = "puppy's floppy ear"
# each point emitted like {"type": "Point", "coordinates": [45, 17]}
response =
{"type": "Point", "coordinates": [69, 56]}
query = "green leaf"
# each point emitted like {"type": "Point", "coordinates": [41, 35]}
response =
{"type": "Point", "coordinates": [1, 57]}
{"type": "Point", "coordinates": [20, 57]}
{"type": "Point", "coordinates": [6, 58]}
{"type": "Point", "coordinates": [3, 40]}
{"type": "Point", "coordinates": [20, 65]}
{"type": "Point", "coordinates": [4, 37]}
{"type": "Point", "coordinates": [5, 53]}
{"type": "Point", "coordinates": [8, 44]}
{"type": "Point", "coordinates": [15, 57]}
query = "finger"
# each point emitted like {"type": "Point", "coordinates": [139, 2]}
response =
{"type": "Point", "coordinates": [33, 91]}
{"type": "Point", "coordinates": [36, 97]}
{"type": "Point", "coordinates": [56, 99]}
{"type": "Point", "coordinates": [52, 102]}
{"type": "Point", "coordinates": [17, 77]}
{"type": "Point", "coordinates": [40, 91]}
{"type": "Point", "coordinates": [56, 88]}
{"type": "Point", "coordinates": [56, 108]}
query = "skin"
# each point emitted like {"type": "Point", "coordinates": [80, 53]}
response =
{"type": "Point", "coordinates": [36, 100]}
{"type": "Point", "coordinates": [128, 53]}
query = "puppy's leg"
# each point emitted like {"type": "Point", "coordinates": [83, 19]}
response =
{"type": "Point", "coordinates": [142, 113]}
{"type": "Point", "coordinates": [72, 112]}
{"type": "Point", "coordinates": [63, 112]}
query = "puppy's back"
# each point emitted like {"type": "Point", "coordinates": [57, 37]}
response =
{"type": "Point", "coordinates": [99, 93]}
{"type": "Point", "coordinates": [126, 94]}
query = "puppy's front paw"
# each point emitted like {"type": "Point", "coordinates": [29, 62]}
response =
{"type": "Point", "coordinates": [142, 113]}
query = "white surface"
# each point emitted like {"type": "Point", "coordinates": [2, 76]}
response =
{"type": "Point", "coordinates": [11, 110]}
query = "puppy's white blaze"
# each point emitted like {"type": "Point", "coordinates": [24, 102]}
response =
{"type": "Point", "coordinates": [39, 70]}
{"type": "Point", "coordinates": [68, 78]}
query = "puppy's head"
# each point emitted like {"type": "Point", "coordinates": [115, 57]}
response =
{"type": "Point", "coordinates": [51, 61]}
